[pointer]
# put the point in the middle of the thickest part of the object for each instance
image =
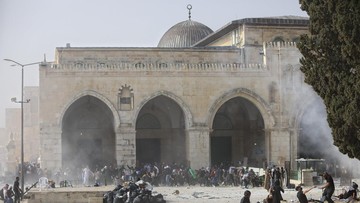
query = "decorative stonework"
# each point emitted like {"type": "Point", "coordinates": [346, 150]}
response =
{"type": "Point", "coordinates": [125, 98]}
{"type": "Point", "coordinates": [281, 44]}
{"type": "Point", "coordinates": [158, 67]}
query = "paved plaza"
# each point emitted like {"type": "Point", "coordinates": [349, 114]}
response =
{"type": "Point", "coordinates": [193, 194]}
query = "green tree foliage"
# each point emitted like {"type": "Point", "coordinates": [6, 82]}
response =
{"type": "Point", "coordinates": [331, 65]}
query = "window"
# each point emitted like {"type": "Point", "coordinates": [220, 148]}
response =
{"type": "Point", "coordinates": [125, 98]}
{"type": "Point", "coordinates": [236, 37]}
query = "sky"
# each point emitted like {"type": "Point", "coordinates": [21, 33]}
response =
{"type": "Point", "coordinates": [31, 30]}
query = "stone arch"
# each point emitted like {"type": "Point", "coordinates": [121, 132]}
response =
{"type": "Point", "coordinates": [160, 131]}
{"type": "Point", "coordinates": [247, 140]}
{"type": "Point", "coordinates": [98, 96]}
{"type": "Point", "coordinates": [88, 134]}
{"type": "Point", "coordinates": [178, 100]}
{"type": "Point", "coordinates": [259, 102]}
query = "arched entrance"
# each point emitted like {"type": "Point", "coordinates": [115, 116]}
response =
{"type": "Point", "coordinates": [160, 132]}
{"type": "Point", "coordinates": [88, 136]}
{"type": "Point", "coordinates": [238, 134]}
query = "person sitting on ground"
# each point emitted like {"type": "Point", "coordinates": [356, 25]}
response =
{"type": "Point", "coordinates": [301, 193]}
{"type": "Point", "coordinates": [246, 198]}
{"type": "Point", "coordinates": [350, 194]}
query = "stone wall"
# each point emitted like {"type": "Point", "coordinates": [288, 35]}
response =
{"type": "Point", "coordinates": [198, 80]}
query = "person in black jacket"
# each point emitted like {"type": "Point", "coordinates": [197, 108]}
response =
{"type": "Point", "coordinates": [329, 188]}
{"type": "Point", "coordinates": [17, 190]}
{"type": "Point", "coordinates": [275, 191]}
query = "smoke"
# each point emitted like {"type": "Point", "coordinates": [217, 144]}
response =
{"type": "Point", "coordinates": [315, 138]}
{"type": "Point", "coordinates": [88, 137]}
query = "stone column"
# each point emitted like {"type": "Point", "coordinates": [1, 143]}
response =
{"type": "Point", "coordinates": [126, 145]}
{"type": "Point", "coordinates": [294, 139]}
{"type": "Point", "coordinates": [268, 146]}
{"type": "Point", "coordinates": [198, 146]}
{"type": "Point", "coordinates": [50, 148]}
{"type": "Point", "coordinates": [279, 146]}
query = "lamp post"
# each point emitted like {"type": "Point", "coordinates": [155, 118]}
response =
{"type": "Point", "coordinates": [22, 116]}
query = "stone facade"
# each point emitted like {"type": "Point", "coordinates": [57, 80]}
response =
{"type": "Point", "coordinates": [237, 95]}
{"type": "Point", "coordinates": [201, 83]}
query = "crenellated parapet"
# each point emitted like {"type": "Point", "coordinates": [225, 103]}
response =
{"type": "Point", "coordinates": [158, 67]}
{"type": "Point", "coordinates": [280, 45]}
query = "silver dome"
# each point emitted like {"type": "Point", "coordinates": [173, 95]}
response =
{"type": "Point", "coordinates": [184, 34]}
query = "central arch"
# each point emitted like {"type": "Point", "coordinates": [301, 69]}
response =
{"type": "Point", "coordinates": [238, 134]}
{"type": "Point", "coordinates": [240, 119]}
{"type": "Point", "coordinates": [160, 132]}
{"type": "Point", "coordinates": [88, 136]}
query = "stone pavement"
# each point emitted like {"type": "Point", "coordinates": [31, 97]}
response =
{"type": "Point", "coordinates": [193, 194]}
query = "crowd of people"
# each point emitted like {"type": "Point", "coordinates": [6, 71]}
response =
{"type": "Point", "coordinates": [274, 179]}
{"type": "Point", "coordinates": [164, 174]}
{"type": "Point", "coordinates": [173, 175]}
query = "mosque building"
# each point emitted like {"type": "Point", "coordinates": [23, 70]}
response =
{"type": "Point", "coordinates": [199, 98]}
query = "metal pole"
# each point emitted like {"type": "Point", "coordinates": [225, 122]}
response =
{"type": "Point", "coordinates": [22, 121]}
{"type": "Point", "coordinates": [22, 132]}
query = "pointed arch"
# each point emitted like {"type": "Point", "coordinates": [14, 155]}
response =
{"type": "Point", "coordinates": [258, 101]}
{"type": "Point", "coordinates": [96, 95]}
{"type": "Point", "coordinates": [178, 100]}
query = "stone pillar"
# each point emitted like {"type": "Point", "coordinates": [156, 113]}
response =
{"type": "Point", "coordinates": [198, 147]}
{"type": "Point", "coordinates": [279, 146]}
{"type": "Point", "coordinates": [294, 135]}
{"type": "Point", "coordinates": [50, 148]}
{"type": "Point", "coordinates": [126, 145]}
{"type": "Point", "coordinates": [267, 146]}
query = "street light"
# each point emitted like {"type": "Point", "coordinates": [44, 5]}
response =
{"type": "Point", "coordinates": [22, 116]}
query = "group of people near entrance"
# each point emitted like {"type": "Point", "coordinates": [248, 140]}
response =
{"type": "Point", "coordinates": [7, 192]}
{"type": "Point", "coordinates": [275, 190]}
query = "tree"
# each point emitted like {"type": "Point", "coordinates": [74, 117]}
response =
{"type": "Point", "coordinates": [331, 65]}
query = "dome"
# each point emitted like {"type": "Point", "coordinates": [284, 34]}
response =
{"type": "Point", "coordinates": [184, 34]}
